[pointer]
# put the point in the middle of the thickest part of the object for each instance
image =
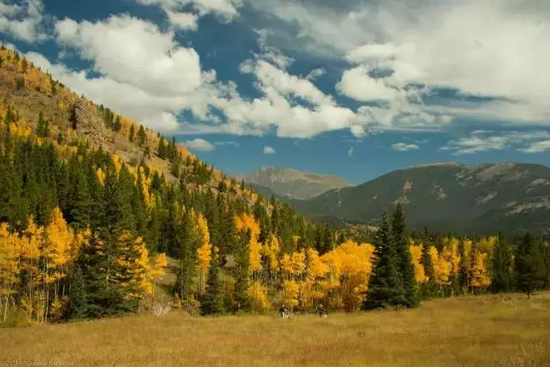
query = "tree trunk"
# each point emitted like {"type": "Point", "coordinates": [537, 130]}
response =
{"type": "Point", "coordinates": [6, 308]}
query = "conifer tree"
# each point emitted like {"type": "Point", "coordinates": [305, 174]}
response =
{"type": "Point", "coordinates": [502, 269]}
{"type": "Point", "coordinates": [43, 127]}
{"type": "Point", "coordinates": [132, 133]}
{"type": "Point", "coordinates": [117, 124]}
{"type": "Point", "coordinates": [212, 302]}
{"type": "Point", "coordinates": [242, 277]}
{"type": "Point", "coordinates": [405, 268]}
{"type": "Point", "coordinates": [142, 137]}
{"type": "Point", "coordinates": [385, 286]}
{"type": "Point", "coordinates": [529, 266]}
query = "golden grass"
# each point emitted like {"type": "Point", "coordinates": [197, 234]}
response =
{"type": "Point", "coordinates": [502, 331]}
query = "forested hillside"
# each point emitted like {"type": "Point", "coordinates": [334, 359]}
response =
{"type": "Point", "coordinates": [92, 204]}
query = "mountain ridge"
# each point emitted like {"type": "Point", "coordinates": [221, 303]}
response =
{"type": "Point", "coordinates": [292, 183]}
{"type": "Point", "coordinates": [485, 197]}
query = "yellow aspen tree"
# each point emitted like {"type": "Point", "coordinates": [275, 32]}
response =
{"type": "Point", "coordinates": [442, 268]}
{"type": "Point", "coordinates": [204, 252]}
{"type": "Point", "coordinates": [32, 300]}
{"type": "Point", "coordinates": [158, 269]}
{"type": "Point", "coordinates": [56, 254]}
{"type": "Point", "coordinates": [416, 258]}
{"type": "Point", "coordinates": [100, 175]}
{"type": "Point", "coordinates": [258, 294]}
{"type": "Point", "coordinates": [480, 275]}
{"type": "Point", "coordinates": [10, 252]}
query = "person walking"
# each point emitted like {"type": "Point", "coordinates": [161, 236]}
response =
{"type": "Point", "coordinates": [283, 312]}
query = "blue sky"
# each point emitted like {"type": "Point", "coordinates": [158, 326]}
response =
{"type": "Point", "coordinates": [354, 90]}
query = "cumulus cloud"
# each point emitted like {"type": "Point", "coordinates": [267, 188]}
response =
{"type": "Point", "coordinates": [134, 51]}
{"type": "Point", "coordinates": [404, 147]}
{"type": "Point", "coordinates": [496, 49]}
{"type": "Point", "coordinates": [269, 150]}
{"type": "Point", "coordinates": [23, 22]}
{"type": "Point", "coordinates": [482, 141]}
{"type": "Point", "coordinates": [227, 143]}
{"type": "Point", "coordinates": [199, 144]}
{"type": "Point", "coordinates": [224, 10]}
{"type": "Point", "coordinates": [538, 147]}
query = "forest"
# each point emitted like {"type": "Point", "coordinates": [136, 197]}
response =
{"type": "Point", "coordinates": [87, 234]}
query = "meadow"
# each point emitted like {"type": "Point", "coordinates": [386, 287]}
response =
{"type": "Point", "coordinates": [495, 330]}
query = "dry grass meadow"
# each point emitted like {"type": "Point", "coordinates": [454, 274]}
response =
{"type": "Point", "coordinates": [498, 331]}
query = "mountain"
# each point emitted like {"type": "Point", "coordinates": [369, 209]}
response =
{"type": "Point", "coordinates": [506, 197]}
{"type": "Point", "coordinates": [292, 183]}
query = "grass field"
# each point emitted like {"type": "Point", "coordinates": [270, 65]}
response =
{"type": "Point", "coordinates": [469, 331]}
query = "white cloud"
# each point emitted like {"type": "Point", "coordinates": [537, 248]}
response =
{"type": "Point", "coordinates": [182, 20]}
{"type": "Point", "coordinates": [538, 147]}
{"type": "Point", "coordinates": [227, 143]}
{"type": "Point", "coordinates": [359, 85]}
{"type": "Point", "coordinates": [358, 131]}
{"type": "Point", "coordinates": [23, 22]}
{"type": "Point", "coordinates": [136, 52]}
{"type": "Point", "coordinates": [482, 141]}
{"type": "Point", "coordinates": [224, 10]}
{"type": "Point", "coordinates": [269, 150]}
{"type": "Point", "coordinates": [350, 152]}
{"type": "Point", "coordinates": [200, 145]}
{"type": "Point", "coordinates": [404, 147]}
{"type": "Point", "coordinates": [315, 73]}
{"type": "Point", "coordinates": [483, 48]}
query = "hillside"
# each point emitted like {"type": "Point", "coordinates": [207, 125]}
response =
{"type": "Point", "coordinates": [484, 198]}
{"type": "Point", "coordinates": [292, 183]}
{"type": "Point", "coordinates": [94, 202]}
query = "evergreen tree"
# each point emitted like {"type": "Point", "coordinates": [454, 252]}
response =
{"type": "Point", "coordinates": [142, 137]}
{"type": "Point", "coordinates": [502, 269]}
{"type": "Point", "coordinates": [186, 239]}
{"type": "Point", "coordinates": [529, 265]}
{"type": "Point", "coordinates": [132, 134]}
{"type": "Point", "coordinates": [242, 278]}
{"type": "Point", "coordinates": [43, 127]}
{"type": "Point", "coordinates": [385, 286]}
{"type": "Point", "coordinates": [78, 305]}
{"type": "Point", "coordinates": [161, 150]}
{"type": "Point", "coordinates": [405, 266]}
{"type": "Point", "coordinates": [117, 124]}
{"type": "Point", "coordinates": [212, 302]}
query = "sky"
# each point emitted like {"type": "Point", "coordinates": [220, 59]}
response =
{"type": "Point", "coordinates": [355, 89]}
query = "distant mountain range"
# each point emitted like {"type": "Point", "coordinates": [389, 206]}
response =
{"type": "Point", "coordinates": [485, 198]}
{"type": "Point", "coordinates": [290, 183]}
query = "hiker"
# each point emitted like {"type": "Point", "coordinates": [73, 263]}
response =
{"type": "Point", "coordinates": [322, 311]}
{"type": "Point", "coordinates": [283, 312]}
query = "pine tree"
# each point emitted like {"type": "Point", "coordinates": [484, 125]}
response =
{"type": "Point", "coordinates": [142, 137]}
{"type": "Point", "coordinates": [131, 137]}
{"type": "Point", "coordinates": [529, 266]}
{"type": "Point", "coordinates": [385, 286]}
{"type": "Point", "coordinates": [212, 302]}
{"type": "Point", "coordinates": [117, 124]}
{"type": "Point", "coordinates": [78, 305]}
{"type": "Point", "coordinates": [502, 269]}
{"type": "Point", "coordinates": [405, 268]}
{"type": "Point", "coordinates": [242, 259]}
{"type": "Point", "coordinates": [43, 127]}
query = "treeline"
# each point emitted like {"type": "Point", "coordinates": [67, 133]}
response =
{"type": "Point", "coordinates": [122, 211]}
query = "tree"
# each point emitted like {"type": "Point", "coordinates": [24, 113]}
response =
{"type": "Point", "coordinates": [212, 302]}
{"type": "Point", "coordinates": [400, 238]}
{"type": "Point", "coordinates": [43, 127]}
{"type": "Point", "coordinates": [117, 124]}
{"type": "Point", "coordinates": [385, 287]}
{"type": "Point", "coordinates": [503, 261]}
{"type": "Point", "coordinates": [529, 266]}
{"type": "Point", "coordinates": [242, 276]}
{"type": "Point", "coordinates": [142, 137]}
{"type": "Point", "coordinates": [131, 137]}
{"type": "Point", "coordinates": [429, 288]}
